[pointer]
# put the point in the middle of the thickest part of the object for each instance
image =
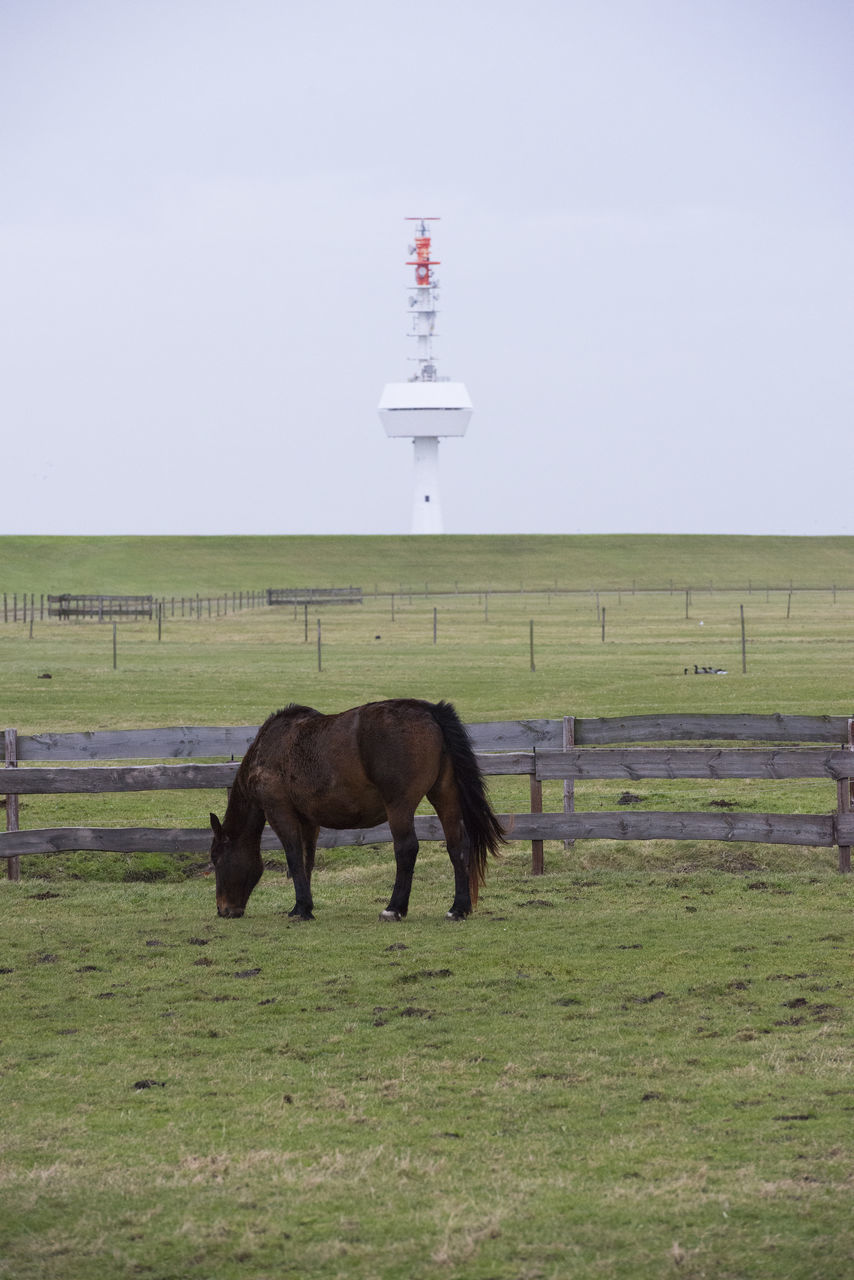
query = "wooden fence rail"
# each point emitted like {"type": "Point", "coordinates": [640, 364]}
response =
{"type": "Point", "coordinates": [537, 749]}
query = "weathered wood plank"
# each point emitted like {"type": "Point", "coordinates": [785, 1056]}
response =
{"type": "Point", "coordinates": [763, 828]}
{"type": "Point", "coordinates": [505, 763]}
{"type": "Point", "coordinates": [94, 781]}
{"type": "Point", "coordinates": [752, 828]}
{"type": "Point", "coordinates": [139, 744]}
{"type": "Point", "coordinates": [106, 840]}
{"type": "Point", "coordinates": [516, 735]}
{"type": "Point", "coordinates": [711, 728]}
{"type": "Point", "coordinates": [210, 742]}
{"type": "Point", "coordinates": [177, 840]}
{"type": "Point", "coordinates": [630, 764]}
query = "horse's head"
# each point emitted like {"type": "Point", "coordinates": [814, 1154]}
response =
{"type": "Point", "coordinates": [238, 869]}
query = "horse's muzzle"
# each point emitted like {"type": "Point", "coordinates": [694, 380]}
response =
{"type": "Point", "coordinates": [229, 913]}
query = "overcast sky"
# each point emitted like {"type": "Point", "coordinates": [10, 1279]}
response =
{"type": "Point", "coordinates": [646, 239]}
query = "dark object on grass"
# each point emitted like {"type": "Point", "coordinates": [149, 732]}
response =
{"type": "Point", "coordinates": [629, 797]}
{"type": "Point", "coordinates": [359, 768]}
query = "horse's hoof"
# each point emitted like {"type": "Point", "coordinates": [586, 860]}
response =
{"type": "Point", "coordinates": [389, 914]}
{"type": "Point", "coordinates": [297, 914]}
{"type": "Point", "coordinates": [459, 916]}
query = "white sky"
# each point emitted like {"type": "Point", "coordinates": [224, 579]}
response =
{"type": "Point", "coordinates": [647, 251]}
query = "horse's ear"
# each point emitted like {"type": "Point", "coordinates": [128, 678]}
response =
{"type": "Point", "coordinates": [216, 825]}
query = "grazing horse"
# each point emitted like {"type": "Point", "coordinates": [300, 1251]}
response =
{"type": "Point", "coordinates": [359, 768]}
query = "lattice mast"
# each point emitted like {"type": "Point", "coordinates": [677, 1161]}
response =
{"type": "Point", "coordinates": [422, 300]}
{"type": "Point", "coordinates": [426, 407]}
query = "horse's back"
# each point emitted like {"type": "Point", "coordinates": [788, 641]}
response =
{"type": "Point", "coordinates": [347, 768]}
{"type": "Point", "coordinates": [401, 728]}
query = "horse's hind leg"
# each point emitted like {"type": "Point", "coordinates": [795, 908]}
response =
{"type": "Point", "coordinates": [405, 852]}
{"type": "Point", "coordinates": [445, 801]}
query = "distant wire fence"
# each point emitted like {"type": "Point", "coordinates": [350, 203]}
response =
{"type": "Point", "coordinates": [27, 607]}
{"type": "Point", "coordinates": [566, 750]}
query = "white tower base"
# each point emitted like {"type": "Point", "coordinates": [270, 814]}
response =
{"type": "Point", "coordinates": [426, 504]}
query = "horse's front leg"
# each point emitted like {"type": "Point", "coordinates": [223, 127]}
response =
{"type": "Point", "coordinates": [405, 853]}
{"type": "Point", "coordinates": [298, 841]}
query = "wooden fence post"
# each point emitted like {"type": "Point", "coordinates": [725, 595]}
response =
{"type": "Point", "coordinates": [13, 865]}
{"type": "Point", "coordinates": [843, 792]}
{"type": "Point", "coordinates": [568, 783]}
{"type": "Point", "coordinates": [537, 859]}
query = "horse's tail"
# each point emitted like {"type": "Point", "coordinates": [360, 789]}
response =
{"type": "Point", "coordinates": [482, 827]}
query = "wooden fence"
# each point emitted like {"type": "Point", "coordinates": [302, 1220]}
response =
{"type": "Point", "coordinates": [567, 749]}
{"type": "Point", "coordinates": [104, 608]}
{"type": "Point", "coordinates": [314, 595]}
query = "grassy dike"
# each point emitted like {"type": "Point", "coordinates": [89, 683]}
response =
{"type": "Point", "coordinates": [176, 566]}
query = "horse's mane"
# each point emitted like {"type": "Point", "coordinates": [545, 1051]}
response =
{"type": "Point", "coordinates": [286, 713]}
{"type": "Point", "coordinates": [239, 784]}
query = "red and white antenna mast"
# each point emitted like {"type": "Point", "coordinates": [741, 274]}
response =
{"type": "Point", "coordinates": [426, 407]}
{"type": "Point", "coordinates": [423, 300]}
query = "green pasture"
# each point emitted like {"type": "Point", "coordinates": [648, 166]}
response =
{"type": "Point", "coordinates": [600, 1074]}
{"type": "Point", "coordinates": [236, 669]}
{"type": "Point", "coordinates": [638, 1065]}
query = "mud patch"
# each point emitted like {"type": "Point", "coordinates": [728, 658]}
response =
{"type": "Point", "coordinates": [425, 973]}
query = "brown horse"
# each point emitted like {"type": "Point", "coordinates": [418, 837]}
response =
{"type": "Point", "coordinates": [359, 768]}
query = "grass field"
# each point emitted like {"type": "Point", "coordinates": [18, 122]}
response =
{"type": "Point", "coordinates": [599, 1075]}
{"type": "Point", "coordinates": [636, 1066]}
